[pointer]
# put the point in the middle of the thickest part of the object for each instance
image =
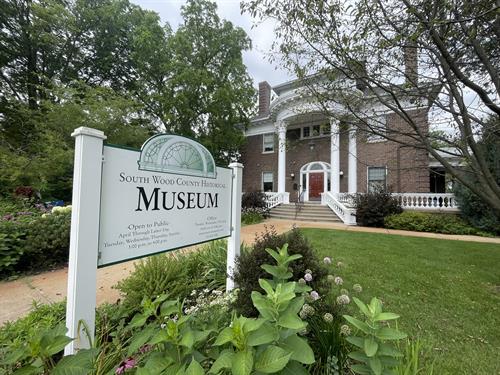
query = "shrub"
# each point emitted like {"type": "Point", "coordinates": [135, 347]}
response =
{"type": "Point", "coordinates": [373, 207]}
{"type": "Point", "coordinates": [248, 265]}
{"type": "Point", "coordinates": [430, 222]}
{"type": "Point", "coordinates": [41, 317]}
{"type": "Point", "coordinates": [251, 216]}
{"type": "Point", "coordinates": [254, 203]}
{"type": "Point", "coordinates": [176, 275]}
{"type": "Point", "coordinates": [29, 241]}
{"type": "Point", "coordinates": [475, 211]}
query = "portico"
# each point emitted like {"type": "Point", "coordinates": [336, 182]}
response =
{"type": "Point", "coordinates": [330, 170]}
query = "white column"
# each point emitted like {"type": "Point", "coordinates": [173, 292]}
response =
{"type": "Point", "coordinates": [335, 156]}
{"type": "Point", "coordinates": [82, 271]}
{"type": "Point", "coordinates": [234, 242]}
{"type": "Point", "coordinates": [353, 162]}
{"type": "Point", "coordinates": [281, 157]}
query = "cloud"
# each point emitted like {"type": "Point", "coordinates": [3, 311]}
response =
{"type": "Point", "coordinates": [262, 36]}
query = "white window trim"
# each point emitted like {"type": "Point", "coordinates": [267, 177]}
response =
{"type": "Point", "coordinates": [368, 176]}
{"type": "Point", "coordinates": [264, 143]}
{"type": "Point", "coordinates": [262, 180]}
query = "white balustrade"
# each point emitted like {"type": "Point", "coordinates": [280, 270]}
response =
{"type": "Point", "coordinates": [273, 199]}
{"type": "Point", "coordinates": [346, 214]}
{"type": "Point", "coordinates": [427, 201]}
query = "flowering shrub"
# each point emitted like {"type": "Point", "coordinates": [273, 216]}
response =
{"type": "Point", "coordinates": [35, 239]}
{"type": "Point", "coordinates": [252, 216]}
{"type": "Point", "coordinates": [249, 265]}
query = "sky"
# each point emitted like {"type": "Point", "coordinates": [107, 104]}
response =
{"type": "Point", "coordinates": [256, 60]}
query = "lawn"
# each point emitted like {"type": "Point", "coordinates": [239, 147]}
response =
{"type": "Point", "coordinates": [447, 292]}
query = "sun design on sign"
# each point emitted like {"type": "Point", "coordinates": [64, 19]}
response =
{"type": "Point", "coordinates": [176, 154]}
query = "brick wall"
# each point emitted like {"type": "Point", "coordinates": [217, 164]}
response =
{"type": "Point", "coordinates": [407, 168]}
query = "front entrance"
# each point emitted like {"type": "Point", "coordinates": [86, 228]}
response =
{"type": "Point", "coordinates": [316, 185]}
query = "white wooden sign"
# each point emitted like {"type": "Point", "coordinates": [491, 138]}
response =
{"type": "Point", "coordinates": [129, 204]}
{"type": "Point", "coordinates": [145, 212]}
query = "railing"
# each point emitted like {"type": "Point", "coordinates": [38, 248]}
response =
{"type": "Point", "coordinates": [300, 203]}
{"type": "Point", "coordinates": [427, 201]}
{"type": "Point", "coordinates": [273, 199]}
{"type": "Point", "coordinates": [346, 199]}
{"type": "Point", "coordinates": [346, 214]}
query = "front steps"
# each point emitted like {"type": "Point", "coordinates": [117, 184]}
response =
{"type": "Point", "coordinates": [309, 212]}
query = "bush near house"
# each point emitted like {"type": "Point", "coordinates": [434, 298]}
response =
{"type": "Point", "coordinates": [431, 222]}
{"type": "Point", "coordinates": [373, 207]}
{"type": "Point", "coordinates": [253, 207]}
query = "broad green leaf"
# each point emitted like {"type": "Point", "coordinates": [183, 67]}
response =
{"type": "Point", "coordinates": [53, 345]}
{"type": "Point", "coordinates": [370, 346]}
{"type": "Point", "coordinates": [386, 316]}
{"type": "Point", "coordinates": [187, 339]}
{"type": "Point", "coordinates": [250, 325]}
{"type": "Point", "coordinates": [139, 339]}
{"type": "Point", "coordinates": [142, 371]}
{"type": "Point", "coordinates": [242, 363]}
{"type": "Point", "coordinates": [375, 306]}
{"type": "Point", "coordinates": [194, 368]}
{"type": "Point", "coordinates": [359, 356]}
{"type": "Point", "coordinates": [300, 349]}
{"type": "Point", "coordinates": [168, 308]}
{"type": "Point", "coordinates": [361, 369]}
{"type": "Point", "coordinates": [357, 341]}
{"type": "Point", "coordinates": [375, 365]}
{"type": "Point", "coordinates": [362, 326]}
{"type": "Point", "coordinates": [388, 350]}
{"type": "Point", "coordinates": [28, 370]}
{"type": "Point", "coordinates": [224, 361]}
{"type": "Point", "coordinates": [266, 334]}
{"type": "Point", "coordinates": [294, 368]}
{"type": "Point", "coordinates": [272, 359]}
{"type": "Point", "coordinates": [225, 336]}
{"type": "Point", "coordinates": [157, 362]}
{"type": "Point", "coordinates": [294, 306]}
{"type": "Point", "coordinates": [362, 307]}
{"type": "Point", "coordinates": [138, 321]}
{"type": "Point", "coordinates": [79, 364]}
{"type": "Point", "coordinates": [386, 333]}
{"type": "Point", "coordinates": [264, 284]}
{"type": "Point", "coordinates": [291, 321]}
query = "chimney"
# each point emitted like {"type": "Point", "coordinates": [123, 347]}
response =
{"type": "Point", "coordinates": [264, 98]}
{"type": "Point", "coordinates": [411, 63]}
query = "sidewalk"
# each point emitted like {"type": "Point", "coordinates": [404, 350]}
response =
{"type": "Point", "coordinates": [16, 297]}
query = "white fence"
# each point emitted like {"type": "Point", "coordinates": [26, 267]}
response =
{"type": "Point", "coordinates": [427, 202]}
{"type": "Point", "coordinates": [343, 204]}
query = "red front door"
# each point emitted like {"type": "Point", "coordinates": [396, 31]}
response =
{"type": "Point", "coordinates": [316, 185]}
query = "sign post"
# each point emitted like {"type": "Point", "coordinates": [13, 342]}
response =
{"type": "Point", "coordinates": [234, 242]}
{"type": "Point", "coordinates": [82, 271]}
{"type": "Point", "coordinates": [129, 204]}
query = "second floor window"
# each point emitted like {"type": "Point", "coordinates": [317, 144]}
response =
{"type": "Point", "coordinates": [268, 143]}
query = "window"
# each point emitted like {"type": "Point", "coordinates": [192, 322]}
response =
{"type": "Point", "coordinates": [315, 131]}
{"type": "Point", "coordinates": [377, 179]}
{"type": "Point", "coordinates": [377, 124]}
{"type": "Point", "coordinates": [267, 181]}
{"type": "Point", "coordinates": [325, 129]}
{"type": "Point", "coordinates": [306, 132]}
{"type": "Point", "coordinates": [268, 142]}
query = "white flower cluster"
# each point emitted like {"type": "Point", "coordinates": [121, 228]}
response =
{"type": "Point", "coordinates": [206, 298]}
{"type": "Point", "coordinates": [307, 310]}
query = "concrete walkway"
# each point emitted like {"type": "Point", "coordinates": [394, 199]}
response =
{"type": "Point", "coordinates": [16, 297]}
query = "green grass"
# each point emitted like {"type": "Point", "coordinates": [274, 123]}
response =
{"type": "Point", "coordinates": [447, 292]}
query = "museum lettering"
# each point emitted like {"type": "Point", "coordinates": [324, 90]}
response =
{"type": "Point", "coordinates": [168, 200]}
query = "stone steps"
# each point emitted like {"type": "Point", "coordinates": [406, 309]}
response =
{"type": "Point", "coordinates": [309, 212]}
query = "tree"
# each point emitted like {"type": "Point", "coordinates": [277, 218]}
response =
{"type": "Point", "coordinates": [203, 89]}
{"type": "Point", "coordinates": [111, 65]}
{"type": "Point", "coordinates": [401, 55]}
